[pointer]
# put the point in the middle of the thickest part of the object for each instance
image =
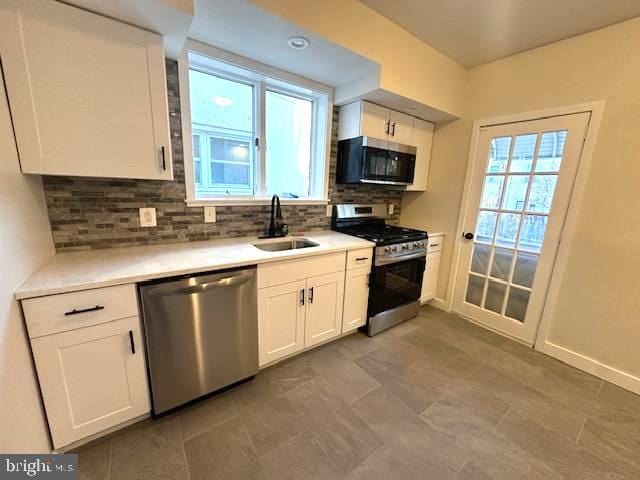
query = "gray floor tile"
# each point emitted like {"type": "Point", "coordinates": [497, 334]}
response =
{"type": "Point", "coordinates": [301, 457]}
{"type": "Point", "coordinates": [290, 373]}
{"type": "Point", "coordinates": [384, 464]}
{"type": "Point", "coordinates": [355, 345]}
{"type": "Point", "coordinates": [343, 435]}
{"type": "Point", "coordinates": [611, 396]}
{"type": "Point", "coordinates": [471, 471]}
{"type": "Point", "coordinates": [441, 355]}
{"type": "Point", "coordinates": [224, 452]}
{"type": "Point", "coordinates": [94, 460]}
{"type": "Point", "coordinates": [267, 414]}
{"type": "Point", "coordinates": [150, 450]}
{"type": "Point", "coordinates": [508, 364]}
{"type": "Point", "coordinates": [568, 459]}
{"type": "Point", "coordinates": [203, 415]}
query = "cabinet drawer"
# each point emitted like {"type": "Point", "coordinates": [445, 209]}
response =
{"type": "Point", "coordinates": [279, 273]}
{"type": "Point", "coordinates": [359, 258]}
{"type": "Point", "coordinates": [435, 244]}
{"type": "Point", "coordinates": [68, 311]}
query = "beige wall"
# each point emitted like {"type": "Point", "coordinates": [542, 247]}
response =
{"type": "Point", "coordinates": [409, 67]}
{"type": "Point", "coordinates": [25, 242]}
{"type": "Point", "coordinates": [598, 314]}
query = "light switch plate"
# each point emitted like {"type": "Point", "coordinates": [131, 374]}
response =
{"type": "Point", "coordinates": [391, 208]}
{"type": "Point", "coordinates": [209, 214]}
{"type": "Point", "coordinates": [148, 217]}
{"type": "Point", "coordinates": [329, 210]}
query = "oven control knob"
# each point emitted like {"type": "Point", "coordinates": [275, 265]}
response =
{"type": "Point", "coordinates": [387, 249]}
{"type": "Point", "coordinates": [405, 246]}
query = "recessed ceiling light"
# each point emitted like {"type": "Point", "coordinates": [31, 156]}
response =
{"type": "Point", "coordinates": [298, 43]}
{"type": "Point", "coordinates": [222, 101]}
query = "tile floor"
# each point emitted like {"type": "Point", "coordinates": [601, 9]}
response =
{"type": "Point", "coordinates": [433, 398]}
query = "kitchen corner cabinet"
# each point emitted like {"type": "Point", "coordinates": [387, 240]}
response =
{"type": "Point", "coordinates": [432, 268]}
{"type": "Point", "coordinates": [87, 93]}
{"type": "Point", "coordinates": [422, 139]}
{"type": "Point", "coordinates": [90, 362]}
{"type": "Point", "coordinates": [371, 120]}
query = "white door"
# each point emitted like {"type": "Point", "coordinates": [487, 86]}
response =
{"type": "Point", "coordinates": [521, 186]}
{"type": "Point", "coordinates": [374, 121]}
{"type": "Point", "coordinates": [281, 311]}
{"type": "Point", "coordinates": [356, 298]}
{"type": "Point", "coordinates": [324, 308]}
{"type": "Point", "coordinates": [401, 127]}
{"type": "Point", "coordinates": [88, 94]}
{"type": "Point", "coordinates": [92, 378]}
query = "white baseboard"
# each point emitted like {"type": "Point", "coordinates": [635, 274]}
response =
{"type": "Point", "coordinates": [589, 365]}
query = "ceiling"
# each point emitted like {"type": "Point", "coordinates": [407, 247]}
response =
{"type": "Point", "coordinates": [473, 32]}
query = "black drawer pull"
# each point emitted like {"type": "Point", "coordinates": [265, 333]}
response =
{"type": "Point", "coordinates": [164, 160]}
{"type": "Point", "coordinates": [434, 244]}
{"type": "Point", "coordinates": [76, 311]}
{"type": "Point", "coordinates": [133, 345]}
{"type": "Point", "coordinates": [359, 259]}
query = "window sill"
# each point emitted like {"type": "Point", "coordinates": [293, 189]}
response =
{"type": "Point", "coordinates": [221, 202]}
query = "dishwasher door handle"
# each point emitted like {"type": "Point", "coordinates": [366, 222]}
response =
{"type": "Point", "coordinates": [222, 283]}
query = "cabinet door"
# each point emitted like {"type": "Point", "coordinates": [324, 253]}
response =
{"type": "Point", "coordinates": [356, 298]}
{"type": "Point", "coordinates": [324, 308]}
{"type": "Point", "coordinates": [87, 93]}
{"type": "Point", "coordinates": [374, 121]}
{"type": "Point", "coordinates": [281, 312]}
{"type": "Point", "coordinates": [430, 279]}
{"type": "Point", "coordinates": [401, 127]}
{"type": "Point", "coordinates": [422, 139]}
{"type": "Point", "coordinates": [91, 379]}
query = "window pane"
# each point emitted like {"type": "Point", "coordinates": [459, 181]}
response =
{"type": "Point", "coordinates": [288, 144]}
{"type": "Point", "coordinates": [480, 259]}
{"type": "Point", "coordinates": [517, 304]}
{"type": "Point", "coordinates": [525, 269]}
{"type": "Point", "coordinates": [551, 150]}
{"type": "Point", "coordinates": [542, 190]}
{"type": "Point", "coordinates": [523, 149]}
{"type": "Point", "coordinates": [486, 226]}
{"type": "Point", "coordinates": [492, 191]}
{"type": "Point", "coordinates": [501, 263]}
{"type": "Point", "coordinates": [495, 296]}
{"type": "Point", "coordinates": [499, 154]}
{"type": "Point", "coordinates": [507, 229]}
{"type": "Point", "coordinates": [197, 166]}
{"type": "Point", "coordinates": [222, 114]}
{"type": "Point", "coordinates": [515, 192]}
{"type": "Point", "coordinates": [532, 234]}
{"type": "Point", "coordinates": [475, 286]}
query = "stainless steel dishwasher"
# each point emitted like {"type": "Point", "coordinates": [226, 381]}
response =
{"type": "Point", "coordinates": [201, 334]}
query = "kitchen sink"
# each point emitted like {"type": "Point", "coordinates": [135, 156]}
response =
{"type": "Point", "coordinates": [292, 244]}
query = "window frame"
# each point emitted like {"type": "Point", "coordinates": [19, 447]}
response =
{"type": "Point", "coordinates": [208, 59]}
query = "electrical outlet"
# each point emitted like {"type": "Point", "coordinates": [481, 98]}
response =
{"type": "Point", "coordinates": [148, 217]}
{"type": "Point", "coordinates": [209, 214]}
{"type": "Point", "coordinates": [329, 210]}
{"type": "Point", "coordinates": [391, 208]}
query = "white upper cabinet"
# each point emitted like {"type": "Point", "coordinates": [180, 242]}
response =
{"type": "Point", "coordinates": [422, 139]}
{"type": "Point", "coordinates": [88, 94]}
{"type": "Point", "coordinates": [371, 120]}
{"type": "Point", "coordinates": [400, 127]}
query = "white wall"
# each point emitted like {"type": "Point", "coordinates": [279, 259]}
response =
{"type": "Point", "coordinates": [598, 312]}
{"type": "Point", "coordinates": [25, 242]}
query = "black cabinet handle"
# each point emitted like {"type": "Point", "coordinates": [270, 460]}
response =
{"type": "Point", "coordinates": [393, 129]}
{"type": "Point", "coordinates": [386, 126]}
{"type": "Point", "coordinates": [133, 345]}
{"type": "Point", "coordinates": [76, 311]}
{"type": "Point", "coordinates": [359, 259]}
{"type": "Point", "coordinates": [302, 297]}
{"type": "Point", "coordinates": [164, 160]}
{"type": "Point", "coordinates": [311, 295]}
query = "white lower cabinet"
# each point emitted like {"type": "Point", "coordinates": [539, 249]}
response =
{"type": "Point", "coordinates": [281, 310]}
{"type": "Point", "coordinates": [91, 378]}
{"type": "Point", "coordinates": [324, 308]}
{"type": "Point", "coordinates": [356, 298]}
{"type": "Point", "coordinates": [432, 269]}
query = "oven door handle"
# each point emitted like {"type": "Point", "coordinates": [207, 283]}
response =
{"type": "Point", "coordinates": [387, 261]}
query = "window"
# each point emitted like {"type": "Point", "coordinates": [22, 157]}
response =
{"type": "Point", "coordinates": [253, 135]}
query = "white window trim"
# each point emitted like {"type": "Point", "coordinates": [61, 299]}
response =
{"type": "Point", "coordinates": [322, 146]}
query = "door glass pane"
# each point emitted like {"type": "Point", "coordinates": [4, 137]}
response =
{"type": "Point", "coordinates": [517, 304]}
{"type": "Point", "coordinates": [551, 150]}
{"type": "Point", "coordinates": [501, 263]}
{"type": "Point", "coordinates": [475, 285]}
{"type": "Point", "coordinates": [492, 191]}
{"type": "Point", "coordinates": [533, 230]}
{"type": "Point", "coordinates": [515, 192]}
{"type": "Point", "coordinates": [495, 296]}
{"type": "Point", "coordinates": [523, 150]}
{"type": "Point", "coordinates": [499, 154]}
{"type": "Point", "coordinates": [288, 144]}
{"type": "Point", "coordinates": [480, 259]}
{"type": "Point", "coordinates": [542, 190]}
{"type": "Point", "coordinates": [525, 269]}
{"type": "Point", "coordinates": [507, 229]}
{"type": "Point", "coordinates": [486, 226]}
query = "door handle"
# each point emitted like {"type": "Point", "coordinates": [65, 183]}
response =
{"type": "Point", "coordinates": [468, 235]}
{"type": "Point", "coordinates": [311, 295]}
{"type": "Point", "coordinates": [132, 343]}
{"type": "Point", "coordinates": [302, 297]}
{"type": "Point", "coordinates": [386, 126]}
{"type": "Point", "coordinates": [393, 129]}
{"type": "Point", "coordinates": [164, 160]}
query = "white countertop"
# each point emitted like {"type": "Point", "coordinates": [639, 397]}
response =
{"type": "Point", "coordinates": [68, 272]}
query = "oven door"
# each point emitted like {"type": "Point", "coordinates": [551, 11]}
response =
{"type": "Point", "coordinates": [395, 284]}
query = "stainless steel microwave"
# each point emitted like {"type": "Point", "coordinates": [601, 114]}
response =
{"type": "Point", "coordinates": [371, 160]}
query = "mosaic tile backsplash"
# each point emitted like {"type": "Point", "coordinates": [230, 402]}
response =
{"type": "Point", "coordinates": [91, 213]}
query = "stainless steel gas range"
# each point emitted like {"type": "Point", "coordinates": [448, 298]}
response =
{"type": "Point", "coordinates": [398, 265]}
